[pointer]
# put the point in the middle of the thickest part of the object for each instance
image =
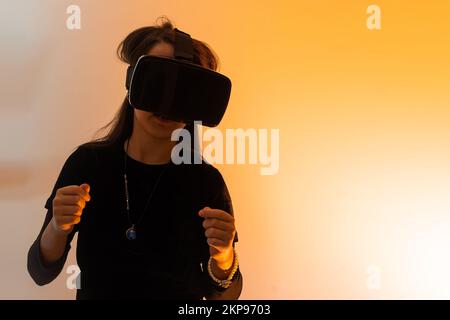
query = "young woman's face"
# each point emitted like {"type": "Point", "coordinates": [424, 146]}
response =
{"type": "Point", "coordinates": [152, 124]}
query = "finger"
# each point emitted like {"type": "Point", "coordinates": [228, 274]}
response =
{"type": "Point", "coordinates": [213, 251]}
{"type": "Point", "coordinates": [217, 233]}
{"type": "Point", "coordinates": [216, 213]}
{"type": "Point", "coordinates": [71, 210]}
{"type": "Point", "coordinates": [75, 190]}
{"type": "Point", "coordinates": [216, 243]}
{"type": "Point", "coordinates": [86, 187]}
{"type": "Point", "coordinates": [70, 200]}
{"type": "Point", "coordinates": [68, 220]}
{"type": "Point", "coordinates": [216, 223]}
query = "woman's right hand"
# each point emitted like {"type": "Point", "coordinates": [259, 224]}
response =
{"type": "Point", "coordinates": [68, 205]}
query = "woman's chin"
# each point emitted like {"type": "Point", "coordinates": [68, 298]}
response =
{"type": "Point", "coordinates": [160, 132]}
{"type": "Point", "coordinates": [164, 122]}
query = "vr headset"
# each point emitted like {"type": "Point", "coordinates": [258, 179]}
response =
{"type": "Point", "coordinates": [177, 89]}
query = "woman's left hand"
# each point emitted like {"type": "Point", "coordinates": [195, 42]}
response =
{"type": "Point", "coordinates": [220, 232]}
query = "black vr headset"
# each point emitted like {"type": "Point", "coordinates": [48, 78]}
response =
{"type": "Point", "coordinates": [177, 89]}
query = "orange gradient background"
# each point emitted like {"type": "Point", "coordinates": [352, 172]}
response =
{"type": "Point", "coordinates": [364, 120]}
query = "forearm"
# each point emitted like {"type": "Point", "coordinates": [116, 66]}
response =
{"type": "Point", "coordinates": [46, 255]}
{"type": "Point", "coordinates": [52, 245]}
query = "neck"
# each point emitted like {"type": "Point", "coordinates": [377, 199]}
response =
{"type": "Point", "coordinates": [149, 149]}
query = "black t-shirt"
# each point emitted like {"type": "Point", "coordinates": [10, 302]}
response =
{"type": "Point", "coordinates": [168, 259]}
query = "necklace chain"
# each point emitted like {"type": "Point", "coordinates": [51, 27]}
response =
{"type": "Point", "coordinates": [131, 232]}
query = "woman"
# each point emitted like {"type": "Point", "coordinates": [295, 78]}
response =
{"type": "Point", "coordinates": [147, 228]}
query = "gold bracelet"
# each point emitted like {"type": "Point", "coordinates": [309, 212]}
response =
{"type": "Point", "coordinates": [227, 282]}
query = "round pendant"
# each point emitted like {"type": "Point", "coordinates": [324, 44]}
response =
{"type": "Point", "coordinates": [131, 233]}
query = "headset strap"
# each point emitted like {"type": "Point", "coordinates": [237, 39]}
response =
{"type": "Point", "coordinates": [183, 46]}
{"type": "Point", "coordinates": [183, 51]}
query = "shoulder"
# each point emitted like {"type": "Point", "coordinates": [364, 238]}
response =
{"type": "Point", "coordinates": [88, 156]}
{"type": "Point", "coordinates": [96, 150]}
{"type": "Point", "coordinates": [212, 179]}
{"type": "Point", "coordinates": [213, 174]}
{"type": "Point", "coordinates": [203, 171]}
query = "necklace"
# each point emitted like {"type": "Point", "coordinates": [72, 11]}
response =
{"type": "Point", "coordinates": [131, 233]}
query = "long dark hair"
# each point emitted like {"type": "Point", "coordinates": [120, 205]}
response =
{"type": "Point", "coordinates": [138, 43]}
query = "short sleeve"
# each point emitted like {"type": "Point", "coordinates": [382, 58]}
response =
{"type": "Point", "coordinates": [221, 198]}
{"type": "Point", "coordinates": [73, 172]}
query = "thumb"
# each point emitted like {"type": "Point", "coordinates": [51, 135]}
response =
{"type": "Point", "coordinates": [86, 187]}
{"type": "Point", "coordinates": [202, 210]}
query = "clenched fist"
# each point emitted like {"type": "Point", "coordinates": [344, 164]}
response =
{"type": "Point", "coordinates": [68, 206]}
{"type": "Point", "coordinates": [220, 232]}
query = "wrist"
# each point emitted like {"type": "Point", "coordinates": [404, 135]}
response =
{"type": "Point", "coordinates": [220, 272]}
{"type": "Point", "coordinates": [223, 277]}
{"type": "Point", "coordinates": [225, 261]}
{"type": "Point", "coordinates": [55, 231]}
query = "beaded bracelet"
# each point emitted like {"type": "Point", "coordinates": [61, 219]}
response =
{"type": "Point", "coordinates": [227, 282]}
